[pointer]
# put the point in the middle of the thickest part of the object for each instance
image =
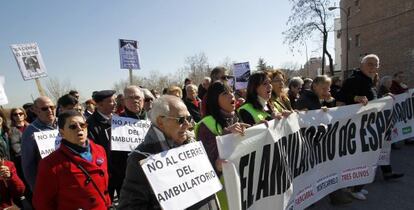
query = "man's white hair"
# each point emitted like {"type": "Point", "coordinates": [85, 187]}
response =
{"type": "Point", "coordinates": [295, 82]}
{"type": "Point", "coordinates": [207, 79]}
{"type": "Point", "coordinates": [161, 107]}
{"type": "Point", "coordinates": [370, 56]}
{"type": "Point", "coordinates": [131, 88]}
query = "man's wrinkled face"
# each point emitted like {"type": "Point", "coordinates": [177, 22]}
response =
{"type": "Point", "coordinates": [45, 110]}
{"type": "Point", "coordinates": [107, 106]}
{"type": "Point", "coordinates": [134, 100]}
{"type": "Point", "coordinates": [176, 124]}
{"type": "Point", "coordinates": [370, 67]}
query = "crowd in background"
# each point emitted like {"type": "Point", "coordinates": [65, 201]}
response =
{"type": "Point", "coordinates": [83, 173]}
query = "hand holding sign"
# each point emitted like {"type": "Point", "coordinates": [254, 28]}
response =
{"type": "Point", "coordinates": [4, 170]}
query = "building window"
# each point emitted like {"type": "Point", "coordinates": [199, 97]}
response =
{"type": "Point", "coordinates": [357, 3]}
{"type": "Point", "coordinates": [358, 40]}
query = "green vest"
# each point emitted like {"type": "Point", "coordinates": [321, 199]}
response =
{"type": "Point", "coordinates": [257, 115]}
{"type": "Point", "coordinates": [211, 124]}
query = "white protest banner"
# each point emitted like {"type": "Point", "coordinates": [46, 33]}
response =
{"type": "Point", "coordinates": [182, 176]}
{"type": "Point", "coordinates": [47, 141]}
{"type": "Point", "coordinates": [300, 159]}
{"type": "Point", "coordinates": [403, 116]}
{"type": "Point", "coordinates": [242, 74]}
{"type": "Point", "coordinates": [385, 154]}
{"type": "Point", "coordinates": [128, 52]}
{"type": "Point", "coordinates": [127, 133]}
{"type": "Point", "coordinates": [3, 96]}
{"type": "Point", "coordinates": [29, 60]}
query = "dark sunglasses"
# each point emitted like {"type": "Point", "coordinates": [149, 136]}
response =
{"type": "Point", "coordinates": [181, 120]}
{"type": "Point", "coordinates": [18, 114]}
{"type": "Point", "coordinates": [47, 108]}
{"type": "Point", "coordinates": [75, 126]}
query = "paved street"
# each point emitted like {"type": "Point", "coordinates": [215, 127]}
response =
{"type": "Point", "coordinates": [395, 195]}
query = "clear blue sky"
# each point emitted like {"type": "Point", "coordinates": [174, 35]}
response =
{"type": "Point", "coordinates": [78, 39]}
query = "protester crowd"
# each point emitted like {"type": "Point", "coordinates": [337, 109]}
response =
{"type": "Point", "coordinates": [83, 173]}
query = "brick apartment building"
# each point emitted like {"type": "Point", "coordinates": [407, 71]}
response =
{"type": "Point", "coordinates": [382, 27]}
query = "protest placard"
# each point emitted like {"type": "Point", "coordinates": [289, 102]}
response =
{"type": "Point", "coordinates": [300, 159]}
{"type": "Point", "coordinates": [241, 74]}
{"type": "Point", "coordinates": [3, 96]}
{"type": "Point", "coordinates": [403, 116]}
{"type": "Point", "coordinates": [47, 141]}
{"type": "Point", "coordinates": [128, 52]}
{"type": "Point", "coordinates": [127, 133]}
{"type": "Point", "coordinates": [29, 60]}
{"type": "Point", "coordinates": [182, 176]}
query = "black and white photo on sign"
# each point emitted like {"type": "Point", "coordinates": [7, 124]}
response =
{"type": "Point", "coordinates": [241, 74]}
{"type": "Point", "coordinates": [31, 63]}
{"type": "Point", "coordinates": [29, 60]}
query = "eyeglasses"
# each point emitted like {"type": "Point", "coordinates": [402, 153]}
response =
{"type": "Point", "coordinates": [133, 97]}
{"type": "Point", "coordinates": [181, 120]}
{"type": "Point", "coordinates": [18, 114]}
{"type": "Point", "coordinates": [46, 108]}
{"type": "Point", "coordinates": [75, 126]}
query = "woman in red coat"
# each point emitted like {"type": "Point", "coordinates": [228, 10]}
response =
{"type": "Point", "coordinates": [75, 175]}
{"type": "Point", "coordinates": [11, 186]}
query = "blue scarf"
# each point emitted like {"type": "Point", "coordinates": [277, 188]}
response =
{"type": "Point", "coordinates": [84, 152]}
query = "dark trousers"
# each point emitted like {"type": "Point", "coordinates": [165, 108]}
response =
{"type": "Point", "coordinates": [387, 169]}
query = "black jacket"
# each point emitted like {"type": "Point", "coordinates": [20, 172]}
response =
{"type": "Point", "coordinates": [136, 190]}
{"type": "Point", "coordinates": [193, 109]}
{"type": "Point", "coordinates": [99, 130]}
{"type": "Point", "coordinates": [357, 85]}
{"type": "Point", "coordinates": [119, 158]}
{"type": "Point", "coordinates": [310, 101]}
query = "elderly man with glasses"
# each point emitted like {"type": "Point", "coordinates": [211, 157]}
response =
{"type": "Point", "coordinates": [44, 108]}
{"type": "Point", "coordinates": [134, 103]}
{"type": "Point", "coordinates": [170, 123]}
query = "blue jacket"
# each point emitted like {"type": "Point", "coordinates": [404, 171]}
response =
{"type": "Point", "coordinates": [30, 152]}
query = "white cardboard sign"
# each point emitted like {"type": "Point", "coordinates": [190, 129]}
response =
{"type": "Point", "coordinates": [47, 141]}
{"type": "Point", "coordinates": [29, 60]}
{"type": "Point", "coordinates": [182, 176]}
{"type": "Point", "coordinates": [127, 133]}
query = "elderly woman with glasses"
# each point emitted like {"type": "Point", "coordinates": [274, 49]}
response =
{"type": "Point", "coordinates": [75, 175]}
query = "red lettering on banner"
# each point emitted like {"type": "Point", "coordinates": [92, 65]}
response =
{"type": "Point", "coordinates": [346, 177]}
{"type": "Point", "coordinates": [303, 197]}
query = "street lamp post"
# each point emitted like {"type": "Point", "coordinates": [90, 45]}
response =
{"type": "Point", "coordinates": [346, 32]}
